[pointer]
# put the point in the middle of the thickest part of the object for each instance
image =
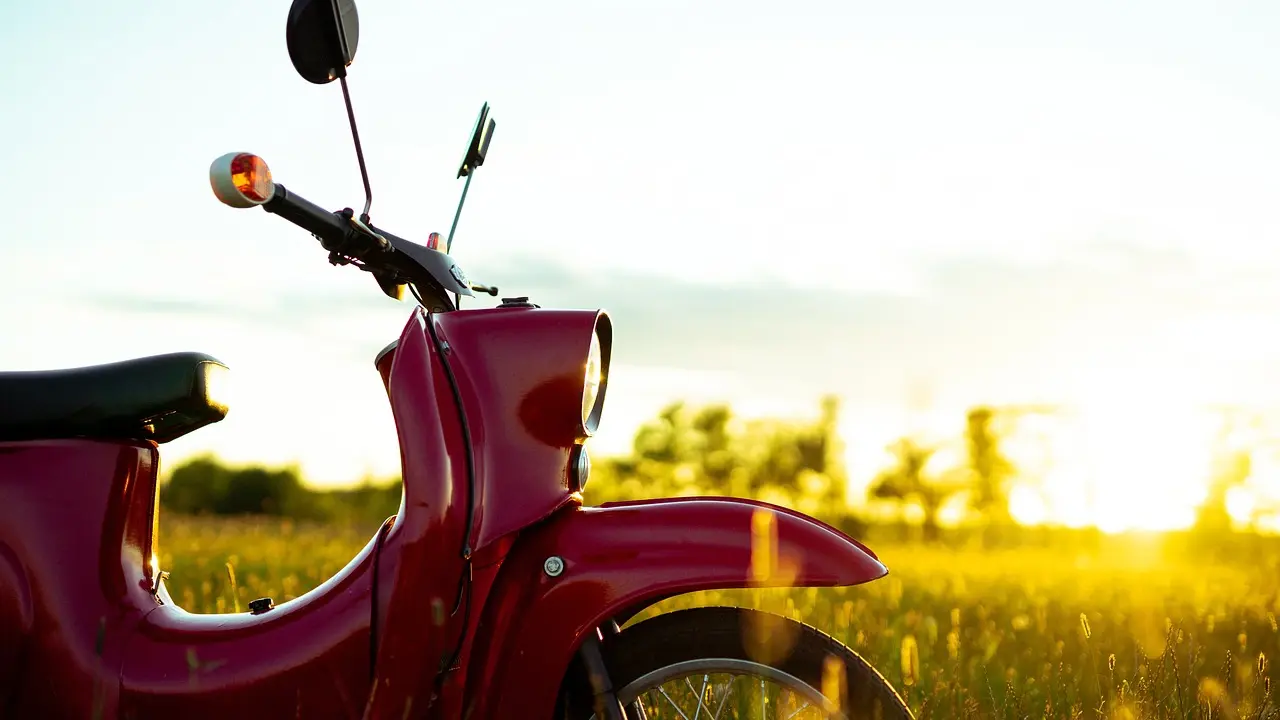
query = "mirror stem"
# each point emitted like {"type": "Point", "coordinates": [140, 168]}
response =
{"type": "Point", "coordinates": [448, 245]}
{"type": "Point", "coordinates": [355, 135]}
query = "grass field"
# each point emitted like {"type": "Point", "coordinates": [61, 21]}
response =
{"type": "Point", "coordinates": [1032, 632]}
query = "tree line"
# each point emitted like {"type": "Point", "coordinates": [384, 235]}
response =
{"type": "Point", "coordinates": [206, 486]}
{"type": "Point", "coordinates": [708, 450]}
{"type": "Point", "coordinates": [800, 464]}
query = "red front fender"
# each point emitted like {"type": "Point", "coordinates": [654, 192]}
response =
{"type": "Point", "coordinates": [621, 557]}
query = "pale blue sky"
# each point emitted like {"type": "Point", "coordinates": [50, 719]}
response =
{"type": "Point", "coordinates": [996, 200]}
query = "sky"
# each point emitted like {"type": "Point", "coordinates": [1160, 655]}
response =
{"type": "Point", "coordinates": [913, 205]}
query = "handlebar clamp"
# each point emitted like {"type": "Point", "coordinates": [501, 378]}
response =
{"type": "Point", "coordinates": [359, 224]}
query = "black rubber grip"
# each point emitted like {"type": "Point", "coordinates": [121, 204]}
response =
{"type": "Point", "coordinates": [332, 229]}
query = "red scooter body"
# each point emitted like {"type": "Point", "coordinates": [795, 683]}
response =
{"type": "Point", "coordinates": [87, 628]}
{"type": "Point", "coordinates": [476, 600]}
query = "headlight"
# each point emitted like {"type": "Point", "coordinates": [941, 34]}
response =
{"type": "Point", "coordinates": [596, 374]}
{"type": "Point", "coordinates": [591, 387]}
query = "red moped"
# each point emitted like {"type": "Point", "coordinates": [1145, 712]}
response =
{"type": "Point", "coordinates": [492, 593]}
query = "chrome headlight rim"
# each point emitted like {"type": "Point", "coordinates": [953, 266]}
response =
{"type": "Point", "coordinates": [593, 406]}
{"type": "Point", "coordinates": [579, 468]}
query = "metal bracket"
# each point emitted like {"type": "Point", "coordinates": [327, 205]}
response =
{"type": "Point", "coordinates": [604, 700]}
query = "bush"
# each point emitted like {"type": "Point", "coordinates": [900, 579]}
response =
{"type": "Point", "coordinates": [204, 486]}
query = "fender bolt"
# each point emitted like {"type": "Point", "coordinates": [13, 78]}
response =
{"type": "Point", "coordinates": [553, 566]}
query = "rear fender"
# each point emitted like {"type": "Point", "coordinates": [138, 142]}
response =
{"type": "Point", "coordinates": [620, 557]}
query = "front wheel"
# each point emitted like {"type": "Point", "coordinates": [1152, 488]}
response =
{"type": "Point", "coordinates": [726, 662]}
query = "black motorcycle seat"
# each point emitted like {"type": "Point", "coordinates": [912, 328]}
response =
{"type": "Point", "coordinates": [156, 398]}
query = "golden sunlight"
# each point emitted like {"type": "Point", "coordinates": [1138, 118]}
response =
{"type": "Point", "coordinates": [1148, 465]}
{"type": "Point", "coordinates": [1137, 452]}
{"type": "Point", "coordinates": [1026, 505]}
{"type": "Point", "coordinates": [1240, 505]}
{"type": "Point", "coordinates": [1120, 461]}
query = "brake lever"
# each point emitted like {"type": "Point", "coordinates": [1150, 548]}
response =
{"type": "Point", "coordinates": [485, 289]}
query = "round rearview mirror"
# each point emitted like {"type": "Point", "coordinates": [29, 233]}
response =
{"type": "Point", "coordinates": [322, 36]}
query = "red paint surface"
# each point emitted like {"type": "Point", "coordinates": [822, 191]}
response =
{"type": "Point", "coordinates": [74, 555]}
{"type": "Point", "coordinates": [619, 559]}
{"type": "Point", "coordinates": [421, 566]}
{"type": "Point", "coordinates": [521, 371]}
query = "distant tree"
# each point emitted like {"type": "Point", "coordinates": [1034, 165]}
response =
{"type": "Point", "coordinates": [703, 450]}
{"type": "Point", "coordinates": [714, 444]}
{"type": "Point", "coordinates": [665, 451]}
{"type": "Point", "coordinates": [257, 490]}
{"type": "Point", "coordinates": [196, 487]}
{"type": "Point", "coordinates": [906, 480]}
{"type": "Point", "coordinates": [990, 471]}
{"type": "Point", "coordinates": [831, 450]}
{"type": "Point", "coordinates": [773, 456]}
{"type": "Point", "coordinates": [803, 461]}
{"type": "Point", "coordinates": [667, 438]}
{"type": "Point", "coordinates": [203, 485]}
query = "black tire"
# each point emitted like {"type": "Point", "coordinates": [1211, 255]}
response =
{"type": "Point", "coordinates": [724, 632]}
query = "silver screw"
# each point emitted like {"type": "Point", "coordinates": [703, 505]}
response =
{"type": "Point", "coordinates": [553, 566]}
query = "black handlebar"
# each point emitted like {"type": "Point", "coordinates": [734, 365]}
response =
{"type": "Point", "coordinates": [388, 256]}
{"type": "Point", "coordinates": [335, 232]}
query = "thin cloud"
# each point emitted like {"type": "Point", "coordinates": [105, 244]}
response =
{"type": "Point", "coordinates": [980, 325]}
{"type": "Point", "coordinates": [980, 322]}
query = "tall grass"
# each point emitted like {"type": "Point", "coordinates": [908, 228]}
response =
{"type": "Point", "coordinates": [1029, 632]}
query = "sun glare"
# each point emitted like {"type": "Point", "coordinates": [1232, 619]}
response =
{"type": "Point", "coordinates": [1132, 457]}
{"type": "Point", "coordinates": [1240, 504]}
{"type": "Point", "coordinates": [1151, 467]}
{"type": "Point", "coordinates": [1026, 506]}
{"type": "Point", "coordinates": [1138, 455]}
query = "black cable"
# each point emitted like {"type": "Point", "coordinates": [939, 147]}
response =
{"type": "Point", "coordinates": [464, 584]}
{"type": "Point", "coordinates": [466, 431]}
{"type": "Point", "coordinates": [464, 587]}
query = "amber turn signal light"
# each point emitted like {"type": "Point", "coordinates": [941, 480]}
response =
{"type": "Point", "coordinates": [241, 180]}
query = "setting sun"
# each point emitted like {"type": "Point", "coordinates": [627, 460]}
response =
{"type": "Point", "coordinates": [1120, 460]}
{"type": "Point", "coordinates": [1143, 466]}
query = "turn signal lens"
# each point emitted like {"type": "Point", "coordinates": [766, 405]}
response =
{"type": "Point", "coordinates": [434, 242]}
{"type": "Point", "coordinates": [241, 180]}
{"type": "Point", "coordinates": [252, 177]}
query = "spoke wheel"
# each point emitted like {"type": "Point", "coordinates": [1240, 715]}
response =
{"type": "Point", "coordinates": [716, 688]}
{"type": "Point", "coordinates": [696, 665]}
